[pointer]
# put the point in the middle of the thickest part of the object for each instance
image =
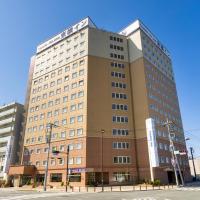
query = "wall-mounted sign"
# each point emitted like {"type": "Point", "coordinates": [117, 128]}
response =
{"type": "Point", "coordinates": [152, 143]}
{"type": "Point", "coordinates": [80, 25]}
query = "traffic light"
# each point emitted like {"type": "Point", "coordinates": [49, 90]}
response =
{"type": "Point", "coordinates": [182, 152]}
{"type": "Point", "coordinates": [55, 153]}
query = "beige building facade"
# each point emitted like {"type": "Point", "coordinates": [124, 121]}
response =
{"type": "Point", "coordinates": [99, 87]}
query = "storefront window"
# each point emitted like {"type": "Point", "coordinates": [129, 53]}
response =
{"type": "Point", "coordinates": [75, 177]}
{"type": "Point", "coordinates": [56, 177]}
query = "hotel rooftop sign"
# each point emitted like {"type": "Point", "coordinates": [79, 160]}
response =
{"type": "Point", "coordinates": [69, 31]}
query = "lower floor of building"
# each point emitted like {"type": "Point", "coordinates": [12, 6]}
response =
{"type": "Point", "coordinates": [91, 177]}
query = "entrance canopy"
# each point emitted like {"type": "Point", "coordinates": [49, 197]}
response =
{"type": "Point", "coordinates": [22, 170]}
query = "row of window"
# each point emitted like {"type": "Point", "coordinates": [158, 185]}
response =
{"type": "Point", "coordinates": [112, 46]}
{"type": "Point", "coordinates": [118, 75]}
{"type": "Point", "coordinates": [52, 65]}
{"type": "Point", "coordinates": [59, 71]}
{"type": "Point", "coordinates": [119, 96]}
{"type": "Point", "coordinates": [163, 146]}
{"type": "Point", "coordinates": [117, 39]}
{"type": "Point", "coordinates": [59, 81]}
{"type": "Point", "coordinates": [119, 132]}
{"type": "Point", "coordinates": [56, 112]}
{"type": "Point", "coordinates": [57, 101]}
{"type": "Point", "coordinates": [41, 128]}
{"type": "Point", "coordinates": [55, 136]}
{"type": "Point", "coordinates": [117, 65]}
{"type": "Point", "coordinates": [119, 107]}
{"type": "Point", "coordinates": [120, 119]}
{"type": "Point", "coordinates": [120, 145]}
{"type": "Point", "coordinates": [118, 85]}
{"type": "Point", "coordinates": [61, 45]}
{"type": "Point", "coordinates": [62, 148]}
{"type": "Point", "coordinates": [61, 161]}
{"type": "Point", "coordinates": [118, 56]}
{"type": "Point", "coordinates": [122, 160]}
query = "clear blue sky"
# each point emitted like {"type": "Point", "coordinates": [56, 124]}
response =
{"type": "Point", "coordinates": [26, 23]}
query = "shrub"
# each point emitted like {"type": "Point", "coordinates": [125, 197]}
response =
{"type": "Point", "coordinates": [156, 182]}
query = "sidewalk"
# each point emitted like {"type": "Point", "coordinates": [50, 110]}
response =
{"type": "Point", "coordinates": [94, 189]}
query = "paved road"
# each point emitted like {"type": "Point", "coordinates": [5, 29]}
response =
{"type": "Point", "coordinates": [184, 194]}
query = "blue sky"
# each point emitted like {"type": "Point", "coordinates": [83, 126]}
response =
{"type": "Point", "coordinates": [26, 23]}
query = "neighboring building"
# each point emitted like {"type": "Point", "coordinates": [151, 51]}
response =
{"type": "Point", "coordinates": [197, 167]}
{"type": "Point", "coordinates": [11, 116]}
{"type": "Point", "coordinates": [87, 79]}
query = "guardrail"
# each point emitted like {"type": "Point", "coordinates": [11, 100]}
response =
{"type": "Point", "coordinates": [119, 188]}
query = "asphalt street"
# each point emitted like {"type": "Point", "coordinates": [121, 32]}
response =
{"type": "Point", "coordinates": [185, 194]}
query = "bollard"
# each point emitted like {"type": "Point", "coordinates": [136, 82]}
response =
{"type": "Point", "coordinates": [159, 187]}
{"type": "Point", "coordinates": [153, 187]}
{"type": "Point", "coordinates": [79, 189]}
{"type": "Point", "coordinates": [111, 188]}
{"type": "Point", "coordinates": [140, 187]}
{"type": "Point", "coordinates": [87, 188]}
{"type": "Point", "coordinates": [146, 186]}
{"type": "Point", "coordinates": [133, 188]}
{"type": "Point", "coordinates": [168, 185]}
{"type": "Point", "coordinates": [72, 188]}
{"type": "Point", "coordinates": [94, 189]}
{"type": "Point", "coordinates": [120, 188]}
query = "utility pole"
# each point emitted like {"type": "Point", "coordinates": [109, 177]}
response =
{"type": "Point", "coordinates": [102, 132]}
{"type": "Point", "coordinates": [170, 130]}
{"type": "Point", "coordinates": [192, 151]}
{"type": "Point", "coordinates": [49, 127]}
{"type": "Point", "coordinates": [67, 173]}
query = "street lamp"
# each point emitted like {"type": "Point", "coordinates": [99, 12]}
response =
{"type": "Point", "coordinates": [102, 132]}
{"type": "Point", "coordinates": [67, 172]}
{"type": "Point", "coordinates": [49, 127]}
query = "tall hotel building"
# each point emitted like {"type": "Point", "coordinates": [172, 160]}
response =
{"type": "Point", "coordinates": [99, 88]}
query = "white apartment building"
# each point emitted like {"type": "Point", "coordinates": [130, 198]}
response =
{"type": "Point", "coordinates": [11, 116]}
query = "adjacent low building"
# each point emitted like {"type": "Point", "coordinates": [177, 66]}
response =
{"type": "Point", "coordinates": [11, 116]}
{"type": "Point", "coordinates": [197, 167]}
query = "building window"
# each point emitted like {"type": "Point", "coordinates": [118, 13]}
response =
{"type": "Point", "coordinates": [71, 161]}
{"type": "Point", "coordinates": [121, 176]}
{"type": "Point", "coordinates": [44, 163]}
{"type": "Point", "coordinates": [64, 110]}
{"type": "Point", "coordinates": [80, 105]}
{"type": "Point", "coordinates": [72, 120]}
{"type": "Point", "coordinates": [37, 163]}
{"type": "Point", "coordinates": [71, 132]}
{"type": "Point", "coordinates": [72, 107]}
{"type": "Point", "coordinates": [53, 162]}
{"type": "Point", "coordinates": [64, 121]}
{"type": "Point", "coordinates": [65, 99]}
{"type": "Point", "coordinates": [61, 161]}
{"type": "Point", "coordinates": [80, 94]}
{"type": "Point", "coordinates": [79, 131]}
{"type": "Point", "coordinates": [80, 118]}
{"type": "Point", "coordinates": [78, 160]}
{"type": "Point", "coordinates": [63, 134]}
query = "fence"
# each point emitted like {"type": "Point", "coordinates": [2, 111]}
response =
{"type": "Point", "coordinates": [119, 188]}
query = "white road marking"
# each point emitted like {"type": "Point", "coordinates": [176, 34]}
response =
{"type": "Point", "coordinates": [35, 196]}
